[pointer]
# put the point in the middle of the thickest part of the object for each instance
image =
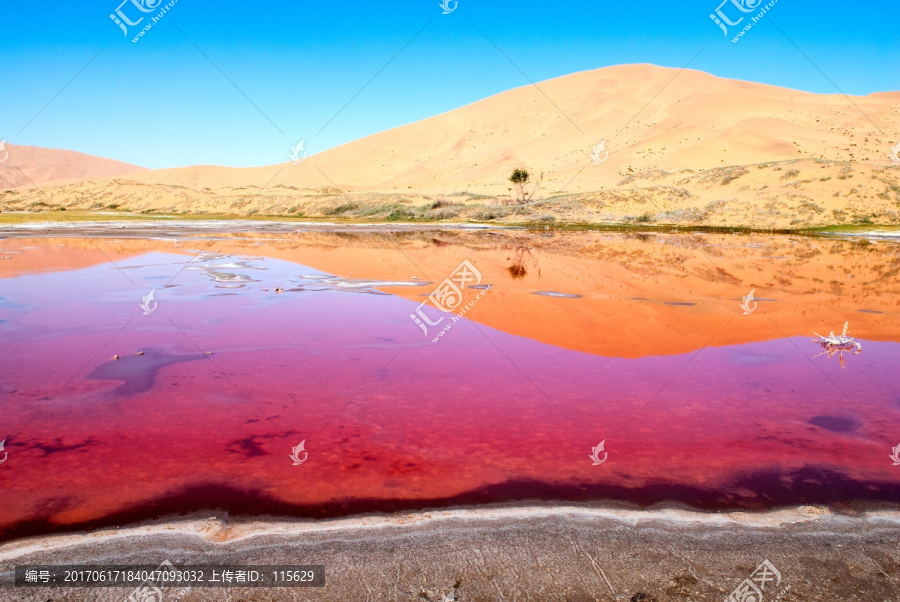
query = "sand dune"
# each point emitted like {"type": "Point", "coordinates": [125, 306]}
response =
{"type": "Point", "coordinates": [684, 147]}
{"type": "Point", "coordinates": [30, 166]}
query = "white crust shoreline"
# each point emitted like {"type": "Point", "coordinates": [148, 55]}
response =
{"type": "Point", "coordinates": [217, 531]}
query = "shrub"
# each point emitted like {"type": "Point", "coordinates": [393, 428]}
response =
{"type": "Point", "coordinates": [520, 178]}
{"type": "Point", "coordinates": [517, 271]}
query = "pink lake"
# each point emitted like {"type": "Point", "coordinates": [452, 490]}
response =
{"type": "Point", "coordinates": [235, 375]}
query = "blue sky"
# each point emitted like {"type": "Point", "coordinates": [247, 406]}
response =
{"type": "Point", "coordinates": [246, 81]}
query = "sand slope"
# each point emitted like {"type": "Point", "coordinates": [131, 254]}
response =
{"type": "Point", "coordinates": [684, 147]}
{"type": "Point", "coordinates": [30, 166]}
{"type": "Point", "coordinates": [652, 117]}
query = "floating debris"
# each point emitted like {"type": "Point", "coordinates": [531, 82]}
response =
{"type": "Point", "coordinates": [115, 357]}
{"type": "Point", "coordinates": [219, 268]}
{"type": "Point", "coordinates": [323, 282]}
{"type": "Point", "coordinates": [139, 353]}
{"type": "Point", "coordinates": [229, 278]}
{"type": "Point", "coordinates": [841, 341]}
{"type": "Point", "coordinates": [838, 344]}
{"type": "Point", "coordinates": [557, 294]}
{"type": "Point", "coordinates": [481, 287]}
{"type": "Point", "coordinates": [362, 283]}
{"type": "Point", "coordinates": [279, 289]}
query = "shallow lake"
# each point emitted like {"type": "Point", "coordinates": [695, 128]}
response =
{"type": "Point", "coordinates": [588, 366]}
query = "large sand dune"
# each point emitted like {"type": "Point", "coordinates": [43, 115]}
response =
{"type": "Point", "coordinates": [684, 147]}
{"type": "Point", "coordinates": [32, 166]}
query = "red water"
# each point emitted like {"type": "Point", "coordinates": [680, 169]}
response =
{"type": "Point", "coordinates": [232, 379]}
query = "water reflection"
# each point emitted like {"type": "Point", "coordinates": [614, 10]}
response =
{"type": "Point", "coordinates": [636, 341]}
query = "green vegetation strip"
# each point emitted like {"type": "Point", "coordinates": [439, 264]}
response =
{"type": "Point", "coordinates": [16, 218]}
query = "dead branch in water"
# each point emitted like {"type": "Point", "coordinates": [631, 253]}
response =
{"type": "Point", "coordinates": [838, 344]}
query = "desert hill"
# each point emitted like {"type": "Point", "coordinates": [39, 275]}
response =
{"type": "Point", "coordinates": [683, 147]}
{"type": "Point", "coordinates": [30, 166]}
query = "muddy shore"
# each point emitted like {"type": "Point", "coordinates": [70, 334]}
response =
{"type": "Point", "coordinates": [535, 553]}
{"type": "Point", "coordinates": [173, 228]}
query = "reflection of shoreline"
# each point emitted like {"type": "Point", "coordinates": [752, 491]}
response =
{"type": "Point", "coordinates": [626, 277]}
{"type": "Point", "coordinates": [674, 500]}
{"type": "Point", "coordinates": [140, 228]}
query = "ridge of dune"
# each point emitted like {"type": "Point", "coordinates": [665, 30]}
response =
{"type": "Point", "coordinates": [30, 166]}
{"type": "Point", "coordinates": [553, 125]}
{"type": "Point", "coordinates": [681, 144]}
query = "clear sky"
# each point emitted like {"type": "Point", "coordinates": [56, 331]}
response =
{"type": "Point", "coordinates": [239, 83]}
